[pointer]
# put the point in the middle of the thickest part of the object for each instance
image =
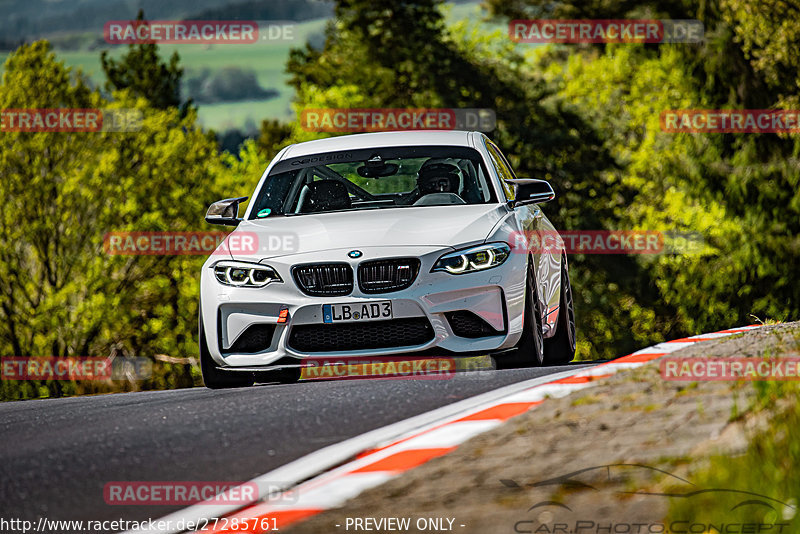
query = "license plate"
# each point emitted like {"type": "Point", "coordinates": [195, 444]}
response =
{"type": "Point", "coordinates": [356, 312]}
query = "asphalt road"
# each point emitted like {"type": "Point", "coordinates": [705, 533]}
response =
{"type": "Point", "coordinates": [56, 455]}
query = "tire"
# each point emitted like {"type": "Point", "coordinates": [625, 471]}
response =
{"type": "Point", "coordinates": [560, 349]}
{"type": "Point", "coordinates": [530, 349]}
{"type": "Point", "coordinates": [213, 378]}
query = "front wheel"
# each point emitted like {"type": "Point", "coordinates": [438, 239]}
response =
{"type": "Point", "coordinates": [560, 348]}
{"type": "Point", "coordinates": [530, 349]}
{"type": "Point", "coordinates": [213, 378]}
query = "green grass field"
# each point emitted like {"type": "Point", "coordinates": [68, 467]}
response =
{"type": "Point", "coordinates": [268, 60]}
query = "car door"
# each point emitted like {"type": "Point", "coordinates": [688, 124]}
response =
{"type": "Point", "coordinates": [533, 222]}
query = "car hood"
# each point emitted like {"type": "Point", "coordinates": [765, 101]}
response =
{"type": "Point", "coordinates": [446, 226]}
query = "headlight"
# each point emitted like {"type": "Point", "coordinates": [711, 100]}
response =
{"type": "Point", "coordinates": [243, 274]}
{"type": "Point", "coordinates": [473, 259]}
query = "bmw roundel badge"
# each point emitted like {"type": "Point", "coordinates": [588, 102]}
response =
{"type": "Point", "coordinates": [355, 253]}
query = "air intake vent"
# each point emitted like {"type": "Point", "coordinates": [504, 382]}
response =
{"type": "Point", "coordinates": [467, 324]}
{"type": "Point", "coordinates": [324, 279]}
{"type": "Point", "coordinates": [385, 276]}
{"type": "Point", "coordinates": [256, 338]}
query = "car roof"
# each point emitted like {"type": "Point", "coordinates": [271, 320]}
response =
{"type": "Point", "coordinates": [379, 139]}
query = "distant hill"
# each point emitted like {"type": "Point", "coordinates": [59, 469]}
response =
{"type": "Point", "coordinates": [32, 19]}
{"type": "Point", "coordinates": [297, 10]}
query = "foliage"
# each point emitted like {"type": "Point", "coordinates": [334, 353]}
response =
{"type": "Point", "coordinates": [585, 117]}
{"type": "Point", "coordinates": [764, 475]}
{"type": "Point", "coordinates": [62, 294]}
{"type": "Point", "coordinates": [274, 135]}
{"type": "Point", "coordinates": [143, 72]}
{"type": "Point", "coordinates": [740, 192]}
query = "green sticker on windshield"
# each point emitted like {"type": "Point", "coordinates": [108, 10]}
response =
{"type": "Point", "coordinates": [263, 213]}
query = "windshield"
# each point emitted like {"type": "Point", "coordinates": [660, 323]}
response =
{"type": "Point", "coordinates": [375, 178]}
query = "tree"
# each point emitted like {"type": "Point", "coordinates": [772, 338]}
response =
{"type": "Point", "coordinates": [741, 192]}
{"type": "Point", "coordinates": [273, 137]}
{"type": "Point", "coordinates": [143, 72]}
{"type": "Point", "coordinates": [61, 294]}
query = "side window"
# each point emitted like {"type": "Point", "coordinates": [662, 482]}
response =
{"type": "Point", "coordinates": [502, 168]}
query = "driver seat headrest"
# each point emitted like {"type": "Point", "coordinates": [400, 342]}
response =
{"type": "Point", "coordinates": [326, 195]}
{"type": "Point", "coordinates": [439, 177]}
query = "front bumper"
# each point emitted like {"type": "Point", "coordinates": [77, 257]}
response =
{"type": "Point", "coordinates": [496, 296]}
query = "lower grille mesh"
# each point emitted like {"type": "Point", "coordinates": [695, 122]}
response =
{"type": "Point", "coordinates": [359, 336]}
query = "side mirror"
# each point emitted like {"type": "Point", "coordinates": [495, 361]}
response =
{"type": "Point", "coordinates": [225, 212]}
{"type": "Point", "coordinates": [531, 191]}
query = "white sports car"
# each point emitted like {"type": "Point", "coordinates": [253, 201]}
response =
{"type": "Point", "coordinates": [379, 244]}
